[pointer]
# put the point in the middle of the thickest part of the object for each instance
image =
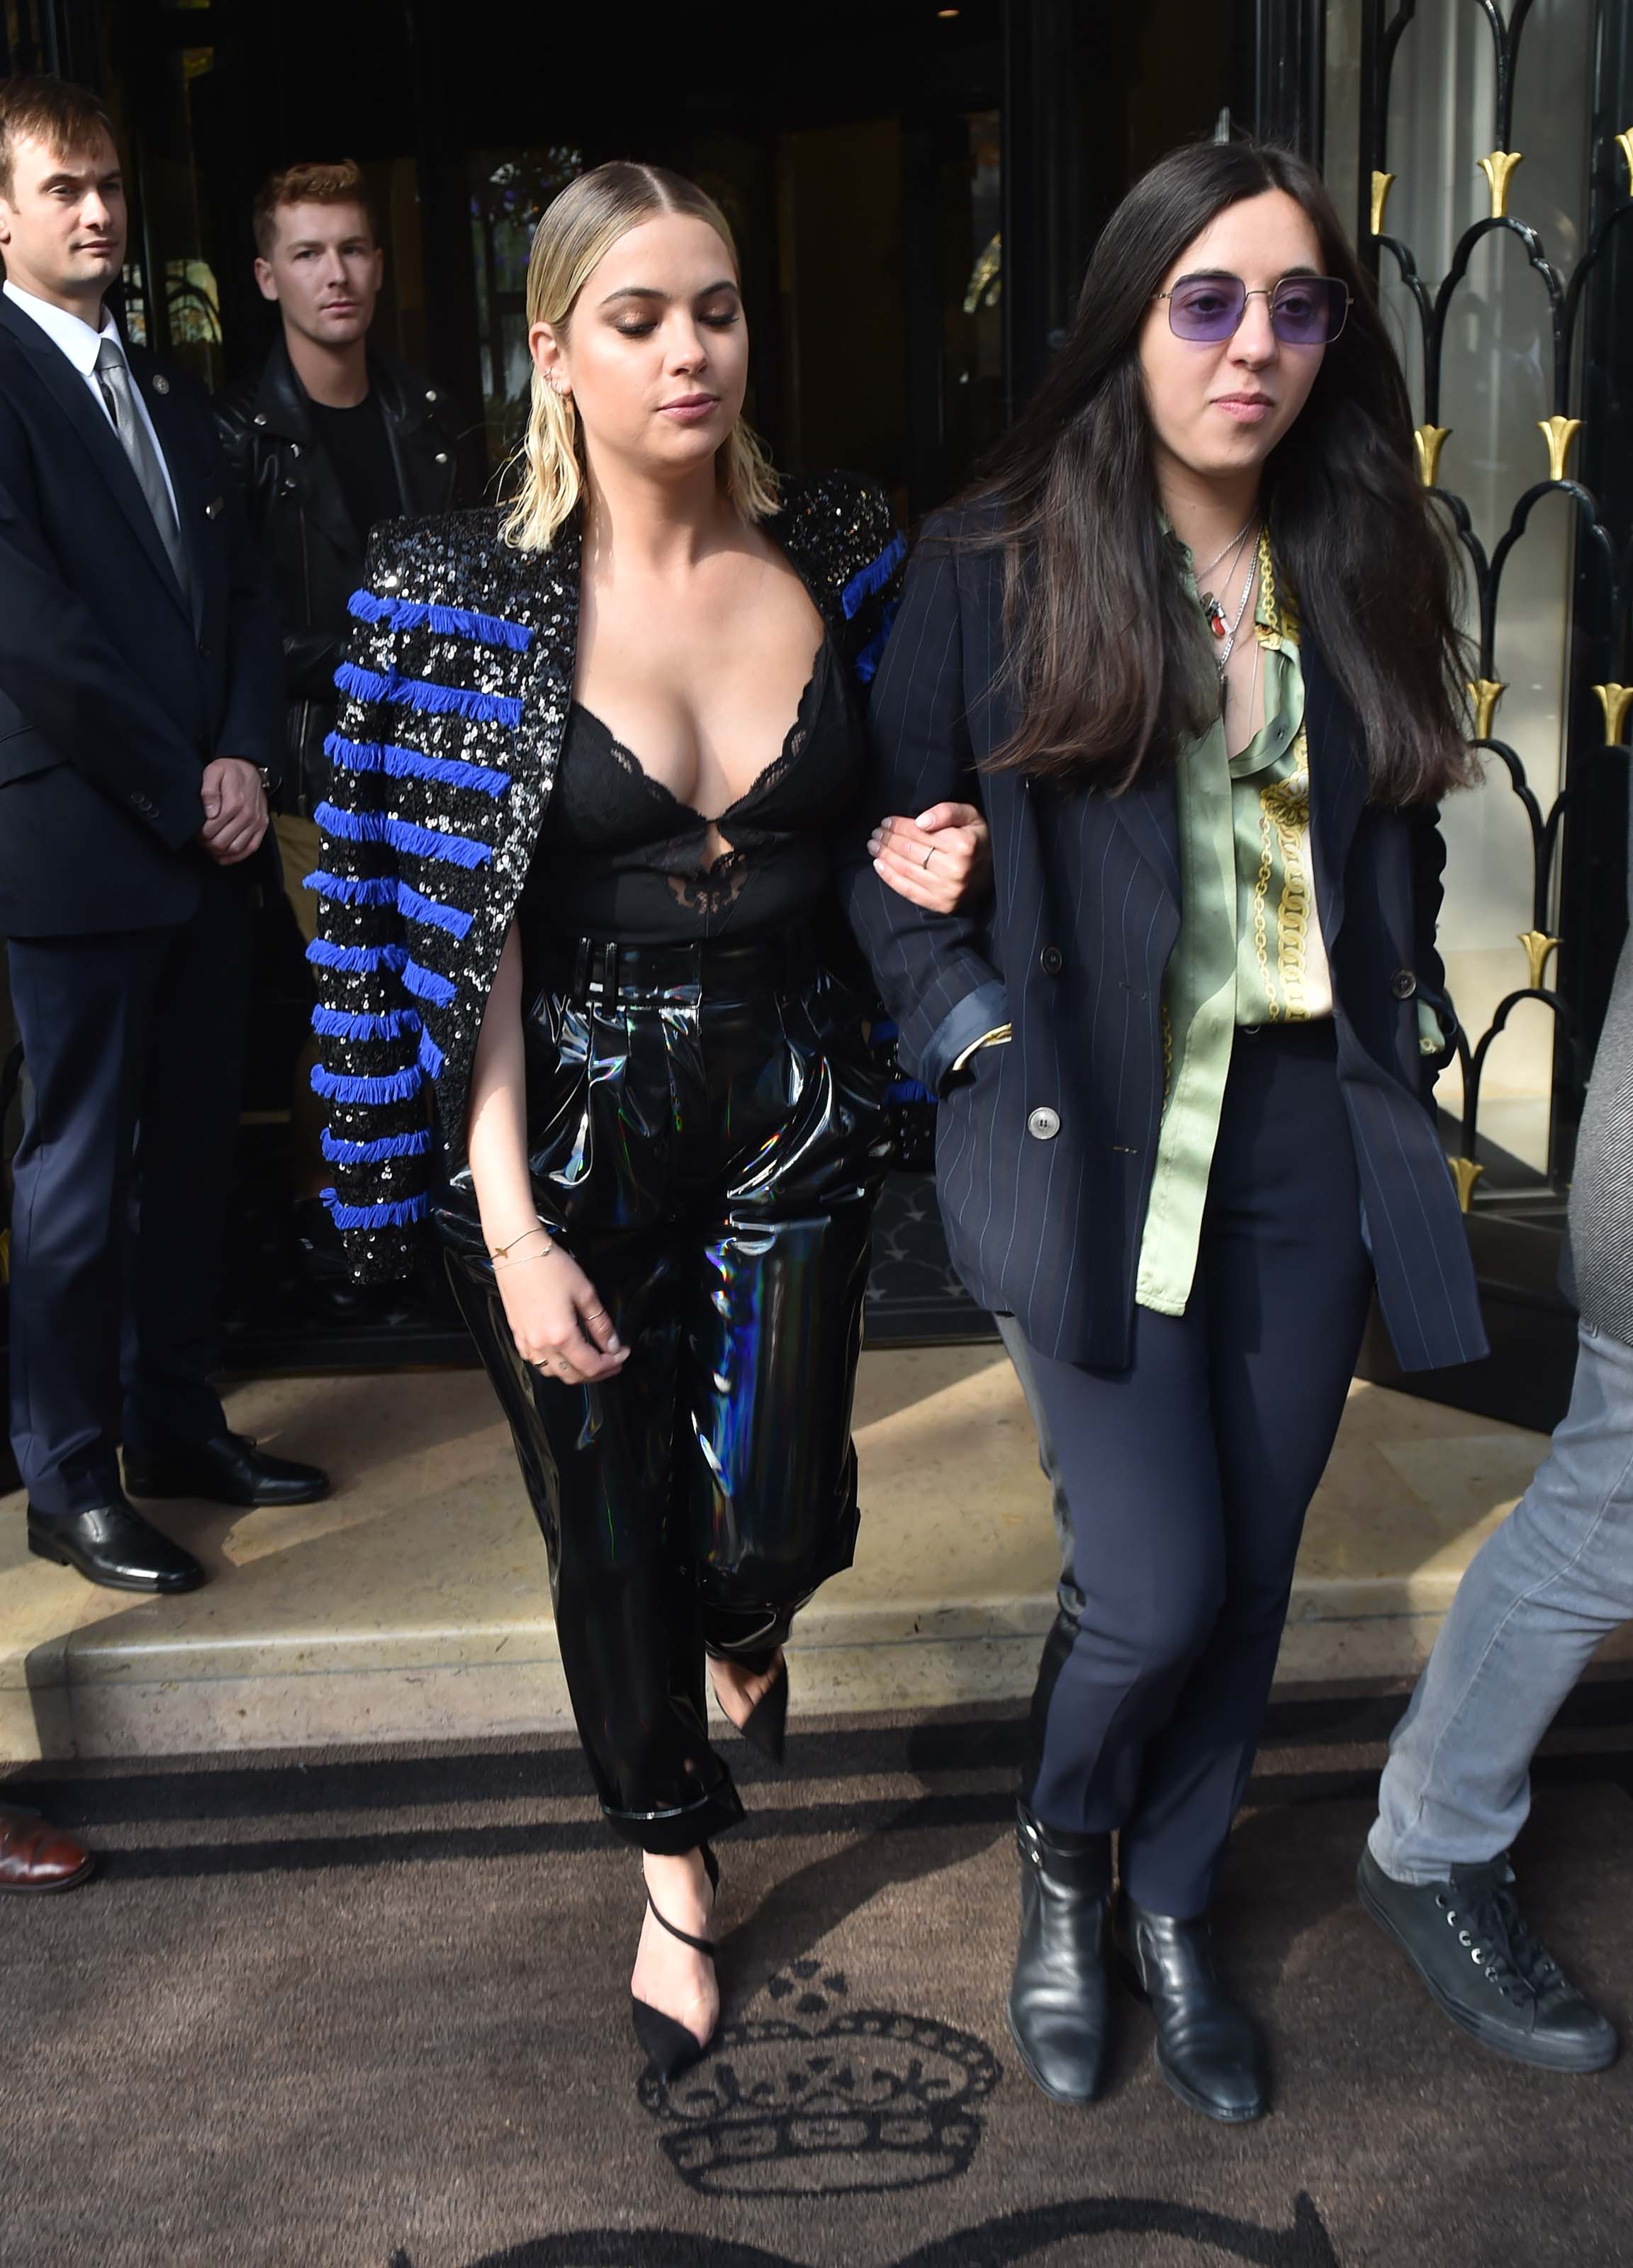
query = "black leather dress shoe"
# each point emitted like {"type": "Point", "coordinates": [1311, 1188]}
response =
{"type": "Point", "coordinates": [227, 1468]}
{"type": "Point", "coordinates": [112, 1545]}
{"type": "Point", "coordinates": [1485, 1967]}
{"type": "Point", "coordinates": [1208, 2048]}
{"type": "Point", "coordinates": [1059, 1994]}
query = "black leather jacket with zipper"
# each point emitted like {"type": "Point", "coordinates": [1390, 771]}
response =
{"type": "Point", "coordinates": [311, 555]}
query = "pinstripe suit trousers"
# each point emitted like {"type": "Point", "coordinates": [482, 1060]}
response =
{"type": "Point", "coordinates": [1188, 1476]}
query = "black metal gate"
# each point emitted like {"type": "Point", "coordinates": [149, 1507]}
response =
{"type": "Point", "coordinates": [1576, 834]}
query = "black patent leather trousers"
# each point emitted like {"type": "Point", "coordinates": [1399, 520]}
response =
{"type": "Point", "coordinates": [706, 1132]}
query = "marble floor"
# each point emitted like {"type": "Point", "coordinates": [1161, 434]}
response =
{"type": "Point", "coordinates": [413, 1603]}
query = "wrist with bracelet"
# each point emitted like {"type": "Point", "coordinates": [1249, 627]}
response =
{"type": "Point", "coordinates": [500, 1254]}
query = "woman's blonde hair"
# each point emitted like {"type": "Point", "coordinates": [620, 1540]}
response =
{"type": "Point", "coordinates": [577, 230]}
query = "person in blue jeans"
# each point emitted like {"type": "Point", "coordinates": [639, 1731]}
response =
{"type": "Point", "coordinates": [1537, 1599]}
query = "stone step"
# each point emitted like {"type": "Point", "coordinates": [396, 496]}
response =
{"type": "Point", "coordinates": [414, 1604]}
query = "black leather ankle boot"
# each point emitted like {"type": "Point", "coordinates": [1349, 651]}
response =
{"type": "Point", "coordinates": [1208, 2048]}
{"type": "Point", "coordinates": [1057, 1999]}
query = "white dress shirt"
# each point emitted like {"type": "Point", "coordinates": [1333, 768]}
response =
{"type": "Point", "coordinates": [82, 345]}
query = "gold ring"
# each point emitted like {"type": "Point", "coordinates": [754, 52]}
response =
{"type": "Point", "coordinates": [928, 855]}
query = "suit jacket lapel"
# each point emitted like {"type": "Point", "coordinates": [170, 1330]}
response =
{"type": "Point", "coordinates": [548, 599]}
{"type": "Point", "coordinates": [1337, 779]}
{"type": "Point", "coordinates": [63, 382]}
{"type": "Point", "coordinates": [191, 501]}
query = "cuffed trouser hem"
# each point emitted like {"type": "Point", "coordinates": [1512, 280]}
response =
{"type": "Point", "coordinates": [669, 1834]}
{"type": "Point", "coordinates": [1418, 1876]}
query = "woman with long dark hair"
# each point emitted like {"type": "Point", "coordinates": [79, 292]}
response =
{"type": "Point", "coordinates": [1192, 641]}
{"type": "Point", "coordinates": [596, 759]}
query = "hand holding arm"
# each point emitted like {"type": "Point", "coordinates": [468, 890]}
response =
{"type": "Point", "coordinates": [932, 965]}
{"type": "Point", "coordinates": [556, 1317]}
{"type": "Point", "coordinates": [942, 860]}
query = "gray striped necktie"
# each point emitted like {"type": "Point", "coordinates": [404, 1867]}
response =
{"type": "Point", "coordinates": [112, 376]}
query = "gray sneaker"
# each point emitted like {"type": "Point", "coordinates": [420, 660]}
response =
{"type": "Point", "coordinates": [1485, 1967]}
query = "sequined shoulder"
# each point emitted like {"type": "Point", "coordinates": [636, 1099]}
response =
{"type": "Point", "coordinates": [437, 558]}
{"type": "Point", "coordinates": [842, 529]}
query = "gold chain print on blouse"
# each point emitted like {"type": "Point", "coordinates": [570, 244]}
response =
{"type": "Point", "coordinates": [1284, 826]}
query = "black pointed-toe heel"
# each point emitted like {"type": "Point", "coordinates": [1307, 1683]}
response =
{"type": "Point", "coordinates": [766, 1725]}
{"type": "Point", "coordinates": [672, 2047]}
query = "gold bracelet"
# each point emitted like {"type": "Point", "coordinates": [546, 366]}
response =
{"type": "Point", "coordinates": [546, 1254]}
{"type": "Point", "coordinates": [502, 1251]}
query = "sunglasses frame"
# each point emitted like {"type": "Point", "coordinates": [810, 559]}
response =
{"type": "Point", "coordinates": [1334, 283]}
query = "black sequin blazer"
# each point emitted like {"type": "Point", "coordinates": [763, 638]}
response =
{"type": "Point", "coordinates": [455, 694]}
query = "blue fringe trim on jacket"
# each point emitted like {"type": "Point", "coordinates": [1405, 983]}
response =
{"type": "Point", "coordinates": [396, 1214]}
{"type": "Point", "coordinates": [446, 621]}
{"type": "Point", "coordinates": [403, 835]}
{"type": "Point", "coordinates": [339, 1152]}
{"type": "Point", "coordinates": [356, 959]}
{"type": "Point", "coordinates": [386, 890]}
{"type": "Point", "coordinates": [430, 913]}
{"type": "Point", "coordinates": [431, 1056]}
{"type": "Point", "coordinates": [388, 1086]}
{"type": "Point", "coordinates": [425, 983]}
{"type": "Point", "coordinates": [873, 577]}
{"type": "Point", "coordinates": [389, 1024]}
{"type": "Point", "coordinates": [354, 889]}
{"type": "Point", "coordinates": [412, 763]}
{"type": "Point", "coordinates": [422, 693]}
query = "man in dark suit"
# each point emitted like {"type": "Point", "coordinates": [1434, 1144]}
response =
{"type": "Point", "coordinates": [140, 717]}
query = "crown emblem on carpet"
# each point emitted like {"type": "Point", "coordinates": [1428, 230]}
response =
{"type": "Point", "coordinates": [826, 2099]}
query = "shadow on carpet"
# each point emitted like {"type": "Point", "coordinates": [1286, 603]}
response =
{"type": "Point", "coordinates": [350, 2010]}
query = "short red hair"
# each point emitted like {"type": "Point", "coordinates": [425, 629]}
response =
{"type": "Point", "coordinates": [339, 184]}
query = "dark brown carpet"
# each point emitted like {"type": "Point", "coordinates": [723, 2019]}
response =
{"type": "Point", "coordinates": [357, 2010]}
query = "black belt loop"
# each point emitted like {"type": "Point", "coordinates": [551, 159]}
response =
{"type": "Point", "coordinates": [581, 970]}
{"type": "Point", "coordinates": [609, 972]}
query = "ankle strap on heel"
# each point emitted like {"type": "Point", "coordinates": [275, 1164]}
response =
{"type": "Point", "coordinates": [711, 1867]}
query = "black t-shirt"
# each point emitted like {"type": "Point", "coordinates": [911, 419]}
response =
{"type": "Point", "coordinates": [358, 448]}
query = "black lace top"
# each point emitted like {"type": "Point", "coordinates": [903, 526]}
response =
{"type": "Point", "coordinates": [622, 857]}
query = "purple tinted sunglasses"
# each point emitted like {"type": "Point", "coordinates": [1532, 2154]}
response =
{"type": "Point", "coordinates": [1306, 311]}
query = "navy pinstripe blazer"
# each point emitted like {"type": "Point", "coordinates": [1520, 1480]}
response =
{"type": "Point", "coordinates": [1046, 1148]}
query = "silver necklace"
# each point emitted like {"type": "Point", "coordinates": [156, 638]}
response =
{"type": "Point", "coordinates": [1232, 546]}
{"type": "Point", "coordinates": [1225, 628]}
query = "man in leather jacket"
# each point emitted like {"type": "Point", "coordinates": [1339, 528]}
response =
{"type": "Point", "coordinates": [334, 436]}
{"type": "Point", "coordinates": [331, 430]}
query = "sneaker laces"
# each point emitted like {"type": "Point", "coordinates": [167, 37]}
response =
{"type": "Point", "coordinates": [1502, 1943]}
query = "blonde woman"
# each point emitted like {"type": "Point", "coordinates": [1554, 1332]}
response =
{"type": "Point", "coordinates": [595, 762]}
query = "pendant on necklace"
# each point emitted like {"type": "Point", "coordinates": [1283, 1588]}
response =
{"type": "Point", "coordinates": [1215, 614]}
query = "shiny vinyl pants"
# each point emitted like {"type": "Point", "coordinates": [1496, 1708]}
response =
{"type": "Point", "coordinates": [706, 1131]}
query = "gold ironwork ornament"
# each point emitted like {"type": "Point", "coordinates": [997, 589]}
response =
{"type": "Point", "coordinates": [1497, 169]}
{"type": "Point", "coordinates": [1465, 1172]}
{"type": "Point", "coordinates": [1539, 946]}
{"type": "Point", "coordinates": [1429, 440]}
{"type": "Point", "coordinates": [1624, 143]}
{"type": "Point", "coordinates": [1382, 184]}
{"type": "Point", "coordinates": [1560, 433]}
{"type": "Point", "coordinates": [1615, 700]}
{"type": "Point", "coordinates": [1485, 693]}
